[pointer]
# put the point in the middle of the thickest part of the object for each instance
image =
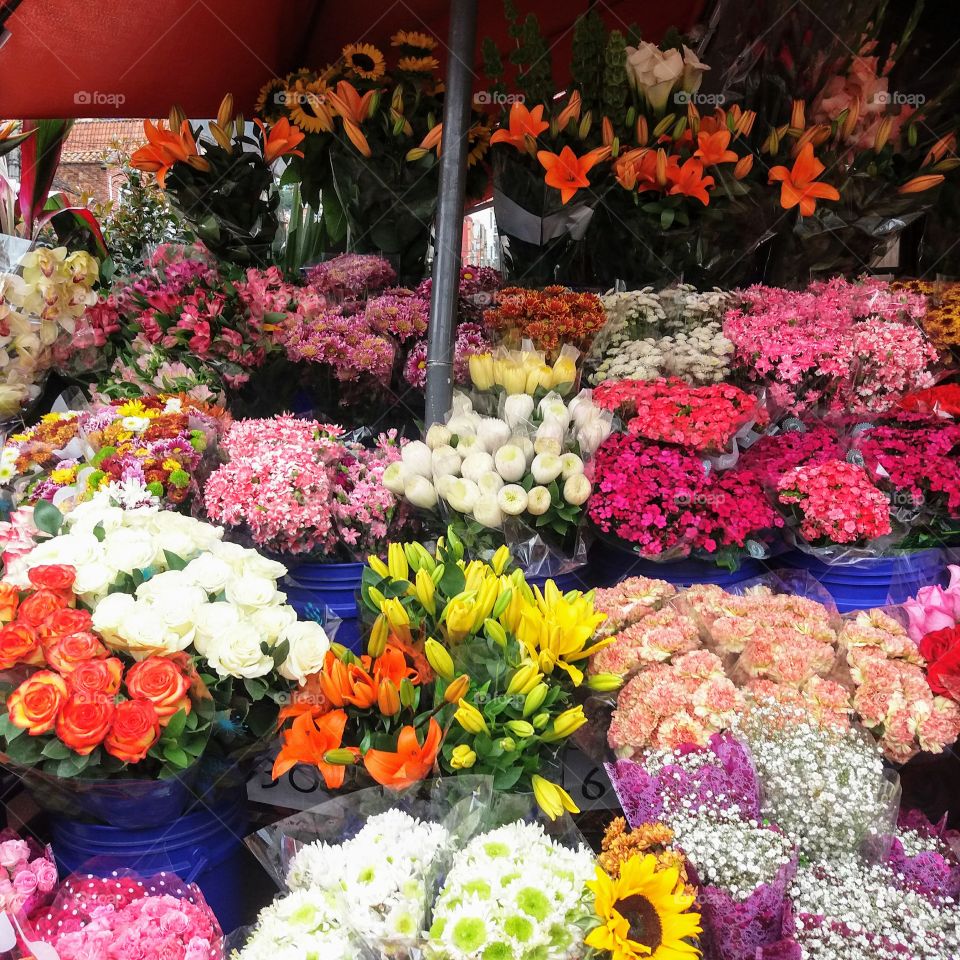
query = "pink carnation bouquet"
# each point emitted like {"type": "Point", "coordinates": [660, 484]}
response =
{"type": "Point", "coordinates": [28, 874]}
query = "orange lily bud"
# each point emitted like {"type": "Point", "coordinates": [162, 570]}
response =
{"type": "Point", "coordinates": [199, 163]}
{"type": "Point", "coordinates": [821, 134]}
{"type": "Point", "coordinates": [355, 134]}
{"type": "Point", "coordinates": [221, 136]}
{"type": "Point", "coordinates": [457, 689]}
{"type": "Point", "coordinates": [745, 123]}
{"type": "Point", "coordinates": [661, 167]}
{"type": "Point", "coordinates": [883, 134]}
{"type": "Point", "coordinates": [919, 184]}
{"type": "Point", "coordinates": [945, 166]}
{"type": "Point", "coordinates": [530, 144]}
{"type": "Point", "coordinates": [804, 138]}
{"type": "Point", "coordinates": [643, 131]}
{"type": "Point", "coordinates": [798, 119]}
{"type": "Point", "coordinates": [570, 112]}
{"type": "Point", "coordinates": [853, 115]}
{"type": "Point", "coordinates": [606, 131]}
{"type": "Point", "coordinates": [225, 113]}
{"type": "Point", "coordinates": [238, 124]}
{"type": "Point", "coordinates": [693, 116]}
{"type": "Point", "coordinates": [743, 166]}
{"type": "Point", "coordinates": [946, 144]}
{"type": "Point", "coordinates": [388, 698]}
{"type": "Point", "coordinates": [177, 116]}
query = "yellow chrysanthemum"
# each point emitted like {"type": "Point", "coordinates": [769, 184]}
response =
{"type": "Point", "coordinates": [418, 64]}
{"type": "Point", "coordinates": [135, 408]}
{"type": "Point", "coordinates": [364, 60]}
{"type": "Point", "coordinates": [644, 913]}
{"type": "Point", "coordinates": [170, 464]}
{"type": "Point", "coordinates": [63, 476]}
{"type": "Point", "coordinates": [411, 38]}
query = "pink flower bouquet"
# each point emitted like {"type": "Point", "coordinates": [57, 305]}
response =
{"type": "Point", "coordinates": [28, 874]}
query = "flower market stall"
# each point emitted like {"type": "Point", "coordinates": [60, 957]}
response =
{"type": "Point", "coordinates": [599, 602]}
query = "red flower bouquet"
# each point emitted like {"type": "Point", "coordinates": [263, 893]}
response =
{"type": "Point", "coordinates": [941, 650]}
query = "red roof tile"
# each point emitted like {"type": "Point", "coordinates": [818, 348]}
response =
{"type": "Point", "coordinates": [89, 140]}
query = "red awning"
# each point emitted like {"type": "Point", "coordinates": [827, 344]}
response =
{"type": "Point", "coordinates": [133, 58]}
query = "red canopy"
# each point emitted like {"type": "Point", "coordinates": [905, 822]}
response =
{"type": "Point", "coordinates": [133, 58]}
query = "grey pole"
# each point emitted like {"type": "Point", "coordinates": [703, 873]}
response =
{"type": "Point", "coordinates": [453, 178]}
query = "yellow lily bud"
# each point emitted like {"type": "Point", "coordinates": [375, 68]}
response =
{"type": "Point", "coordinates": [457, 689]}
{"type": "Point", "coordinates": [341, 652]}
{"type": "Point", "coordinates": [853, 115]}
{"type": "Point", "coordinates": [177, 116]}
{"type": "Point", "coordinates": [413, 558]}
{"type": "Point", "coordinates": [425, 590]}
{"type": "Point", "coordinates": [798, 116]}
{"type": "Point", "coordinates": [553, 799]}
{"type": "Point", "coordinates": [585, 124]}
{"type": "Point", "coordinates": [397, 562]}
{"type": "Point", "coordinates": [462, 758]}
{"type": "Point", "coordinates": [520, 728]}
{"type": "Point", "coordinates": [470, 718]}
{"type": "Point", "coordinates": [340, 758]}
{"type": "Point", "coordinates": [398, 618]}
{"type": "Point", "coordinates": [605, 682]}
{"type": "Point", "coordinates": [221, 136]}
{"type": "Point", "coordinates": [377, 566]}
{"type": "Point", "coordinates": [485, 603]}
{"type": "Point", "coordinates": [566, 724]}
{"type": "Point", "coordinates": [199, 163]}
{"type": "Point", "coordinates": [377, 597]}
{"type": "Point", "coordinates": [534, 699]}
{"type": "Point", "coordinates": [416, 153]}
{"type": "Point", "coordinates": [508, 744]}
{"type": "Point", "coordinates": [883, 134]}
{"type": "Point", "coordinates": [408, 693]}
{"type": "Point", "coordinates": [388, 698]}
{"type": "Point", "coordinates": [225, 113]}
{"type": "Point", "coordinates": [378, 637]}
{"type": "Point", "coordinates": [679, 128]}
{"type": "Point", "coordinates": [664, 125]}
{"type": "Point", "coordinates": [495, 632]}
{"type": "Point", "coordinates": [500, 559]}
{"type": "Point", "coordinates": [439, 659]}
{"type": "Point", "coordinates": [541, 720]}
{"type": "Point", "coordinates": [396, 101]}
{"type": "Point", "coordinates": [524, 680]}
{"type": "Point", "coordinates": [481, 370]}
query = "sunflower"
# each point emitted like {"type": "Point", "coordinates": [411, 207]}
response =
{"type": "Point", "coordinates": [479, 140]}
{"type": "Point", "coordinates": [411, 38]}
{"type": "Point", "coordinates": [644, 913]}
{"type": "Point", "coordinates": [309, 109]}
{"type": "Point", "coordinates": [418, 64]}
{"type": "Point", "coordinates": [364, 60]}
{"type": "Point", "coordinates": [268, 105]}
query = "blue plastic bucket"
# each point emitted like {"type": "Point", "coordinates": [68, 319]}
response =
{"type": "Point", "coordinates": [312, 586]}
{"type": "Point", "coordinates": [205, 848]}
{"type": "Point", "coordinates": [875, 582]}
{"type": "Point", "coordinates": [609, 566]}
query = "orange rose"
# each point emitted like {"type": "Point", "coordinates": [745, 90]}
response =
{"type": "Point", "coordinates": [19, 643]}
{"type": "Point", "coordinates": [136, 728]}
{"type": "Point", "coordinates": [84, 722]}
{"type": "Point", "coordinates": [36, 704]}
{"type": "Point", "coordinates": [57, 577]}
{"type": "Point", "coordinates": [9, 599]}
{"type": "Point", "coordinates": [96, 677]}
{"type": "Point", "coordinates": [160, 681]}
{"type": "Point", "coordinates": [68, 620]}
{"type": "Point", "coordinates": [40, 606]}
{"type": "Point", "coordinates": [64, 654]}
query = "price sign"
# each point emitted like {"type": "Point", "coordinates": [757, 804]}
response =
{"type": "Point", "coordinates": [587, 782]}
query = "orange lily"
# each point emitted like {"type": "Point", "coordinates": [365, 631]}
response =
{"type": "Point", "coordinates": [645, 169]}
{"type": "Point", "coordinates": [946, 144]}
{"type": "Point", "coordinates": [347, 684]}
{"type": "Point", "coordinates": [690, 181]}
{"type": "Point", "coordinates": [798, 186]}
{"type": "Point", "coordinates": [164, 148]}
{"type": "Point", "coordinates": [309, 698]}
{"type": "Point", "coordinates": [523, 123]}
{"type": "Point", "coordinates": [308, 741]}
{"type": "Point", "coordinates": [280, 140]}
{"type": "Point", "coordinates": [919, 184]}
{"type": "Point", "coordinates": [410, 763]}
{"type": "Point", "coordinates": [352, 109]}
{"type": "Point", "coordinates": [570, 112]}
{"type": "Point", "coordinates": [567, 172]}
{"type": "Point", "coordinates": [713, 148]}
{"type": "Point", "coordinates": [392, 665]}
{"type": "Point", "coordinates": [433, 139]}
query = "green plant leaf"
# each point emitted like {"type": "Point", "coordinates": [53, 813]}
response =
{"type": "Point", "coordinates": [175, 756]}
{"type": "Point", "coordinates": [47, 518]}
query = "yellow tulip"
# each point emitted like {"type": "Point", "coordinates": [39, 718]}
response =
{"type": "Point", "coordinates": [553, 799]}
{"type": "Point", "coordinates": [378, 566]}
{"type": "Point", "coordinates": [439, 659]}
{"type": "Point", "coordinates": [462, 758]}
{"type": "Point", "coordinates": [470, 718]}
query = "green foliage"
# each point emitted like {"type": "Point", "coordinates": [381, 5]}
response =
{"type": "Point", "coordinates": [587, 62]}
{"type": "Point", "coordinates": [532, 59]}
{"type": "Point", "coordinates": [615, 86]}
{"type": "Point", "coordinates": [492, 65]}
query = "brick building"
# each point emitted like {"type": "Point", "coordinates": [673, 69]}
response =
{"type": "Point", "coordinates": [85, 165]}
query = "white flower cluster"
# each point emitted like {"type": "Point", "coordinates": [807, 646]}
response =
{"type": "Point", "coordinates": [298, 927]}
{"type": "Point", "coordinates": [223, 605]}
{"type": "Point", "coordinates": [676, 333]}
{"type": "Point", "coordinates": [381, 877]}
{"type": "Point", "coordinates": [824, 787]}
{"type": "Point", "coordinates": [492, 467]}
{"type": "Point", "coordinates": [513, 893]}
{"type": "Point", "coordinates": [847, 909]}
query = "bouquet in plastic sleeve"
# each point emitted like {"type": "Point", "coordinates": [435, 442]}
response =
{"type": "Point", "coordinates": [28, 874]}
{"type": "Point", "coordinates": [117, 914]}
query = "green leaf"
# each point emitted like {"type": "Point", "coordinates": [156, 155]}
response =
{"type": "Point", "coordinates": [256, 688]}
{"type": "Point", "coordinates": [99, 532]}
{"type": "Point", "coordinates": [453, 581]}
{"type": "Point", "coordinates": [56, 750]}
{"type": "Point", "coordinates": [174, 562]}
{"type": "Point", "coordinates": [176, 725]}
{"type": "Point", "coordinates": [47, 518]}
{"type": "Point", "coordinates": [507, 779]}
{"type": "Point", "coordinates": [175, 756]}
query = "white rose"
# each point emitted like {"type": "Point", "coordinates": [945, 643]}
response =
{"type": "Point", "coordinates": [308, 647]}
{"type": "Point", "coordinates": [84, 520]}
{"type": "Point", "coordinates": [487, 511]}
{"type": "Point", "coordinates": [146, 634]}
{"type": "Point", "coordinates": [208, 572]}
{"type": "Point", "coordinates": [417, 458]}
{"type": "Point", "coordinates": [490, 483]}
{"type": "Point", "coordinates": [462, 494]}
{"type": "Point", "coordinates": [446, 461]}
{"type": "Point", "coordinates": [546, 467]}
{"type": "Point", "coordinates": [576, 489]}
{"type": "Point", "coordinates": [393, 477]}
{"type": "Point", "coordinates": [249, 590]}
{"type": "Point", "coordinates": [511, 462]}
{"type": "Point", "coordinates": [239, 653]}
{"type": "Point", "coordinates": [272, 621]}
{"type": "Point", "coordinates": [170, 581]}
{"type": "Point", "coordinates": [130, 550]}
{"type": "Point", "coordinates": [493, 433]}
{"type": "Point", "coordinates": [216, 620]}
{"type": "Point", "coordinates": [518, 409]}
{"type": "Point", "coordinates": [94, 580]}
{"type": "Point", "coordinates": [420, 492]}
{"type": "Point", "coordinates": [512, 499]}
{"type": "Point", "coordinates": [110, 612]}
{"type": "Point", "coordinates": [438, 435]}
{"type": "Point", "coordinates": [262, 566]}
{"type": "Point", "coordinates": [538, 501]}
{"type": "Point", "coordinates": [571, 464]}
{"type": "Point", "coordinates": [475, 465]}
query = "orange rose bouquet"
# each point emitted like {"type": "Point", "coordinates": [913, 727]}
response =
{"type": "Point", "coordinates": [74, 709]}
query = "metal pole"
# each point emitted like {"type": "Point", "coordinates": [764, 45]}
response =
{"type": "Point", "coordinates": [453, 178]}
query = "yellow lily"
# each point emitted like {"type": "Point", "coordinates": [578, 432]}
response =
{"type": "Point", "coordinates": [458, 615]}
{"type": "Point", "coordinates": [425, 591]}
{"type": "Point", "coordinates": [397, 562]}
{"type": "Point", "coordinates": [439, 659]}
{"type": "Point", "coordinates": [378, 566]}
{"type": "Point", "coordinates": [566, 724]}
{"type": "Point", "coordinates": [398, 618]}
{"type": "Point", "coordinates": [500, 560]}
{"type": "Point", "coordinates": [470, 718]}
{"type": "Point", "coordinates": [553, 799]}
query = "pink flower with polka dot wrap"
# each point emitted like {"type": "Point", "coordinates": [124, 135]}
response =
{"type": "Point", "coordinates": [120, 916]}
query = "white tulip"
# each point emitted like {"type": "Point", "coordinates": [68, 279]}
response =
{"type": "Point", "coordinates": [475, 465]}
{"type": "Point", "coordinates": [518, 409]}
{"type": "Point", "coordinates": [438, 436]}
{"type": "Point", "coordinates": [461, 494]}
{"type": "Point", "coordinates": [487, 511]}
{"type": "Point", "coordinates": [493, 433]}
{"type": "Point", "coordinates": [512, 499]}
{"type": "Point", "coordinates": [394, 477]}
{"type": "Point", "coordinates": [546, 467]}
{"type": "Point", "coordinates": [490, 482]}
{"type": "Point", "coordinates": [417, 458]}
{"type": "Point", "coordinates": [538, 501]}
{"type": "Point", "coordinates": [571, 464]}
{"type": "Point", "coordinates": [420, 492]}
{"type": "Point", "coordinates": [526, 445]}
{"type": "Point", "coordinates": [463, 424]}
{"type": "Point", "coordinates": [511, 462]}
{"type": "Point", "coordinates": [446, 461]}
{"type": "Point", "coordinates": [461, 404]}
{"type": "Point", "coordinates": [467, 443]}
{"type": "Point", "coordinates": [576, 489]}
